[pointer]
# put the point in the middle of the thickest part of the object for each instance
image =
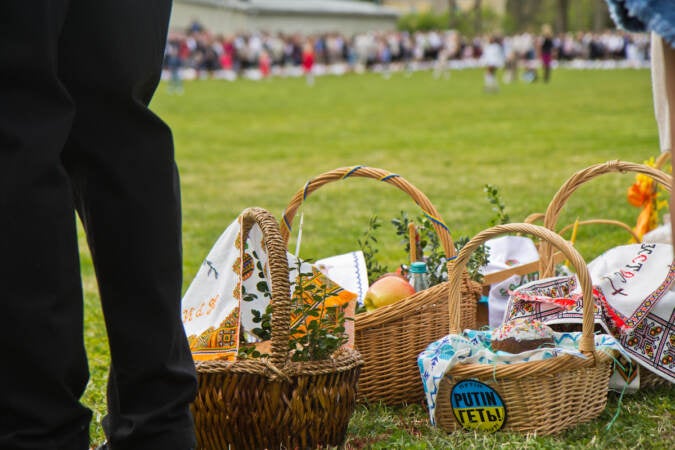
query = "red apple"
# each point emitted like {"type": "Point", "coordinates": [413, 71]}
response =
{"type": "Point", "coordinates": [387, 290]}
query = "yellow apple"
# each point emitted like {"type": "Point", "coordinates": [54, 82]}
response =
{"type": "Point", "coordinates": [387, 290]}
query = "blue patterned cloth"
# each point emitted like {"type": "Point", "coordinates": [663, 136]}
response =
{"type": "Point", "coordinates": [645, 15]}
{"type": "Point", "coordinates": [474, 347]}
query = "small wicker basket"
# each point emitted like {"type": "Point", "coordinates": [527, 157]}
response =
{"type": "Point", "coordinates": [545, 396]}
{"type": "Point", "coordinates": [647, 378]}
{"type": "Point", "coordinates": [273, 402]}
{"type": "Point", "coordinates": [406, 326]}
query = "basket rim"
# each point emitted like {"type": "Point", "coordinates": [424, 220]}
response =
{"type": "Point", "coordinates": [528, 369]}
{"type": "Point", "coordinates": [341, 361]}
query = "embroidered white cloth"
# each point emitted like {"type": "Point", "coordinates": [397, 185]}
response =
{"type": "Point", "coordinates": [633, 299]}
{"type": "Point", "coordinates": [474, 347]}
{"type": "Point", "coordinates": [661, 234]}
{"type": "Point", "coordinates": [348, 270]}
{"type": "Point", "coordinates": [230, 288]}
{"type": "Point", "coordinates": [506, 252]}
{"type": "Point", "coordinates": [211, 303]}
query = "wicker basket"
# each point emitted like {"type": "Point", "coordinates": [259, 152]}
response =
{"type": "Point", "coordinates": [575, 181]}
{"type": "Point", "coordinates": [274, 402]}
{"type": "Point", "coordinates": [647, 378]}
{"type": "Point", "coordinates": [407, 326]}
{"type": "Point", "coordinates": [545, 396]}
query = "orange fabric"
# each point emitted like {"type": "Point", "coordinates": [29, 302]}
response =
{"type": "Point", "coordinates": [337, 300]}
{"type": "Point", "coordinates": [645, 221]}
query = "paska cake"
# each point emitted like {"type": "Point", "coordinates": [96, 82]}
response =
{"type": "Point", "coordinates": [521, 335]}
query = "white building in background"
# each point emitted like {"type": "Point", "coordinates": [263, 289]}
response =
{"type": "Point", "coordinates": [287, 16]}
{"type": "Point", "coordinates": [441, 6]}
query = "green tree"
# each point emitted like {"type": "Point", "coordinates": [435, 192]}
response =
{"type": "Point", "coordinates": [562, 16]}
{"type": "Point", "coordinates": [452, 14]}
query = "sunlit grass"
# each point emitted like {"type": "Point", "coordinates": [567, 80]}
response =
{"type": "Point", "coordinates": [250, 143]}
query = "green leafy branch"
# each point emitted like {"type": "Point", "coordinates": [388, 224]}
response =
{"type": "Point", "coordinates": [368, 245]}
{"type": "Point", "coordinates": [428, 245]}
{"type": "Point", "coordinates": [318, 330]}
{"type": "Point", "coordinates": [498, 206]}
{"type": "Point", "coordinates": [264, 331]}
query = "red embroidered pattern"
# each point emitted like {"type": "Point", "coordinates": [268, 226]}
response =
{"type": "Point", "coordinates": [651, 300]}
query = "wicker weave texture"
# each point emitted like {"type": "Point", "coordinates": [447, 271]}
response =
{"type": "Point", "coordinates": [274, 402]}
{"type": "Point", "coordinates": [545, 404]}
{"type": "Point", "coordinates": [391, 337]}
{"type": "Point", "coordinates": [544, 396]}
{"type": "Point", "coordinates": [390, 347]}
{"type": "Point", "coordinates": [650, 380]}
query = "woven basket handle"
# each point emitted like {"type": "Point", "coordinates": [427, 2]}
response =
{"type": "Point", "coordinates": [617, 223]}
{"type": "Point", "coordinates": [661, 161]}
{"type": "Point", "coordinates": [534, 217]}
{"type": "Point", "coordinates": [279, 282]}
{"type": "Point", "coordinates": [573, 183]}
{"type": "Point", "coordinates": [587, 343]}
{"type": "Point", "coordinates": [377, 174]}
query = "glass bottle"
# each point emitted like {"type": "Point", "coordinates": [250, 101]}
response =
{"type": "Point", "coordinates": [419, 277]}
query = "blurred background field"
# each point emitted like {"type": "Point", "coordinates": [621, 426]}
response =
{"type": "Point", "coordinates": [256, 144]}
{"type": "Point", "coordinates": [248, 143]}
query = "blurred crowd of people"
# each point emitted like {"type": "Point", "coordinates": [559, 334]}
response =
{"type": "Point", "coordinates": [197, 52]}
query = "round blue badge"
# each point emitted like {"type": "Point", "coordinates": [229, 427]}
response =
{"type": "Point", "coordinates": [477, 406]}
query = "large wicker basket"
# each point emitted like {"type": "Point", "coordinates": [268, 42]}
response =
{"type": "Point", "coordinates": [545, 396]}
{"type": "Point", "coordinates": [405, 327]}
{"type": "Point", "coordinates": [575, 182]}
{"type": "Point", "coordinates": [272, 403]}
{"type": "Point", "coordinates": [647, 378]}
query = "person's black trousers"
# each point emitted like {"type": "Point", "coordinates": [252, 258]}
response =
{"type": "Point", "coordinates": [76, 77]}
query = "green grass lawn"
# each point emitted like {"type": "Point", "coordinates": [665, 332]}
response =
{"type": "Point", "coordinates": [251, 143]}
